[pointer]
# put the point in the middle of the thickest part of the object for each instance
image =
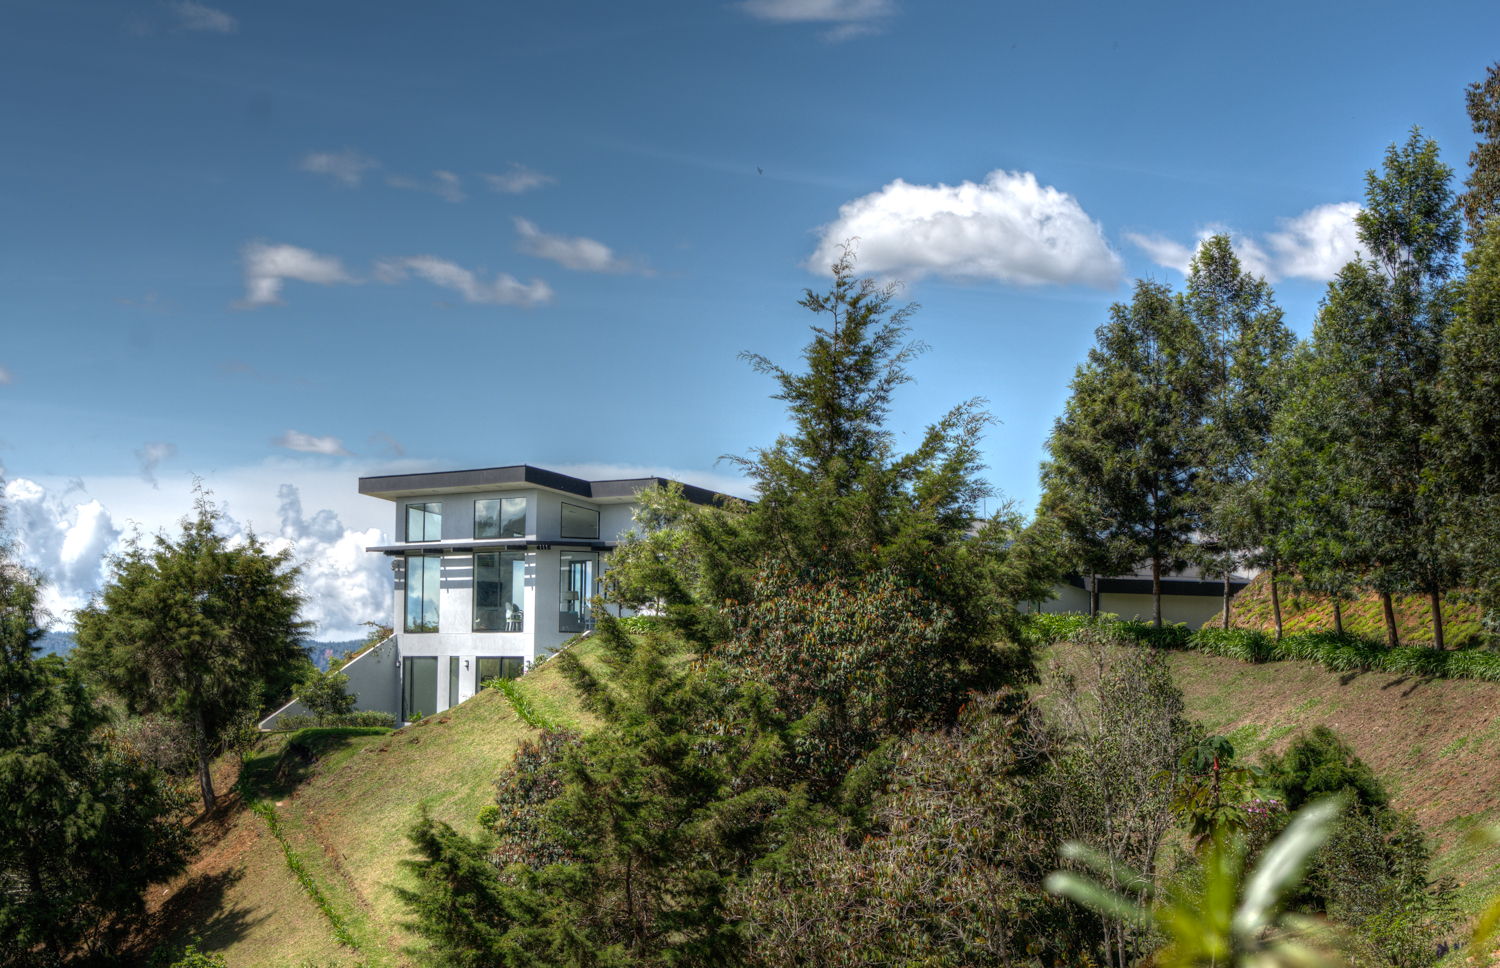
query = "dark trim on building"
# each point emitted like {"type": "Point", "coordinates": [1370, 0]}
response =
{"type": "Point", "coordinates": [396, 486]}
{"type": "Point", "coordinates": [1206, 587]}
{"type": "Point", "coordinates": [488, 544]}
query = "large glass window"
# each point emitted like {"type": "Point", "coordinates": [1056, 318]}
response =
{"type": "Point", "coordinates": [500, 518]}
{"type": "Point", "coordinates": [579, 522]}
{"type": "Point", "coordinates": [422, 592]}
{"type": "Point", "coordinates": [580, 573]}
{"type": "Point", "coordinates": [503, 667]}
{"type": "Point", "coordinates": [418, 688]}
{"type": "Point", "coordinates": [424, 522]}
{"type": "Point", "coordinates": [452, 681]}
{"type": "Point", "coordinates": [499, 586]}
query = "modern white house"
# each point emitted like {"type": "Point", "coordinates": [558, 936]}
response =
{"type": "Point", "coordinates": [1185, 597]}
{"type": "Point", "coordinates": [493, 568]}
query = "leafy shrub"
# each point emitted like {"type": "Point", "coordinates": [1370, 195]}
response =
{"type": "Point", "coordinates": [1320, 764]}
{"type": "Point", "coordinates": [192, 958]}
{"type": "Point", "coordinates": [640, 624]}
{"type": "Point", "coordinates": [166, 744]}
{"type": "Point", "coordinates": [324, 695]}
{"type": "Point", "coordinates": [522, 792]}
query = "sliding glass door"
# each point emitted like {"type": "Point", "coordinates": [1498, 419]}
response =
{"type": "Point", "coordinates": [419, 682]}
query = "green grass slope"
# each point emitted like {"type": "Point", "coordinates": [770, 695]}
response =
{"type": "Point", "coordinates": [345, 799]}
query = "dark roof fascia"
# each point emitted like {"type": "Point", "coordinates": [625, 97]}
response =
{"type": "Point", "coordinates": [487, 544]}
{"type": "Point", "coordinates": [395, 486]}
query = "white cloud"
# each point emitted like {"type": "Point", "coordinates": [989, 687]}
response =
{"type": "Point", "coordinates": [519, 179]}
{"type": "Point", "coordinates": [1009, 228]}
{"type": "Point", "coordinates": [308, 444]}
{"type": "Point", "coordinates": [195, 16]}
{"type": "Point", "coordinates": [503, 289]}
{"type": "Point", "coordinates": [580, 254]}
{"type": "Point", "coordinates": [1314, 245]}
{"type": "Point", "coordinates": [344, 584]}
{"type": "Point", "coordinates": [67, 542]}
{"type": "Point", "coordinates": [347, 166]}
{"type": "Point", "coordinates": [1318, 243]}
{"type": "Point", "coordinates": [805, 11]}
{"type": "Point", "coordinates": [445, 185]}
{"type": "Point", "coordinates": [267, 266]}
{"type": "Point", "coordinates": [854, 18]}
{"type": "Point", "coordinates": [150, 457]}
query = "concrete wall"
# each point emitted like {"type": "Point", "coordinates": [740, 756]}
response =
{"type": "Point", "coordinates": [374, 681]}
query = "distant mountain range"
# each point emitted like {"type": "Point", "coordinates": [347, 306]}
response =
{"type": "Point", "coordinates": [61, 643]}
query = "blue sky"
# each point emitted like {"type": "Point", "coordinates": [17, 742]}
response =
{"type": "Point", "coordinates": [285, 244]}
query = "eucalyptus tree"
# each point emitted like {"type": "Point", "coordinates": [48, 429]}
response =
{"type": "Point", "coordinates": [1128, 443]}
{"type": "Point", "coordinates": [1481, 201]}
{"type": "Point", "coordinates": [1245, 344]}
{"type": "Point", "coordinates": [1368, 406]}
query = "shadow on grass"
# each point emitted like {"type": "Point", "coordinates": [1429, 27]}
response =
{"type": "Point", "coordinates": [197, 910]}
{"type": "Point", "coordinates": [276, 773]}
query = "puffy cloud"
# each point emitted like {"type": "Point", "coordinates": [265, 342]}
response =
{"type": "Point", "coordinates": [1009, 228]}
{"type": "Point", "coordinates": [445, 185]}
{"type": "Point", "coordinates": [1314, 245]}
{"type": "Point", "coordinates": [347, 166]}
{"type": "Point", "coordinates": [503, 289]}
{"type": "Point", "coordinates": [195, 16]}
{"type": "Point", "coordinates": [344, 584]}
{"type": "Point", "coordinates": [267, 266]}
{"type": "Point", "coordinates": [854, 17]}
{"type": "Point", "coordinates": [150, 457]}
{"type": "Point", "coordinates": [308, 444]}
{"type": "Point", "coordinates": [519, 179]}
{"type": "Point", "coordinates": [579, 254]}
{"type": "Point", "coordinates": [65, 541]}
{"type": "Point", "coordinates": [1318, 243]}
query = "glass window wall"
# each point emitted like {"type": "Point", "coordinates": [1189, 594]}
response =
{"type": "Point", "coordinates": [579, 584]}
{"type": "Point", "coordinates": [452, 681]}
{"type": "Point", "coordinates": [424, 522]}
{"type": "Point", "coordinates": [500, 518]}
{"type": "Point", "coordinates": [419, 688]}
{"type": "Point", "coordinates": [497, 667]}
{"type": "Point", "coordinates": [579, 522]}
{"type": "Point", "coordinates": [499, 590]}
{"type": "Point", "coordinates": [422, 592]}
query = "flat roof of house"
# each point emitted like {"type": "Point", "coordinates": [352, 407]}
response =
{"type": "Point", "coordinates": [393, 487]}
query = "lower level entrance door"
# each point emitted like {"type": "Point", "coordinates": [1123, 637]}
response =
{"type": "Point", "coordinates": [419, 682]}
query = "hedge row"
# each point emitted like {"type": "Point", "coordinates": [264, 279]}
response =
{"type": "Point", "coordinates": [361, 718]}
{"type": "Point", "coordinates": [1340, 653]}
{"type": "Point", "coordinates": [295, 865]}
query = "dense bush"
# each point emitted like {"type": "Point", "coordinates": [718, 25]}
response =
{"type": "Point", "coordinates": [522, 793]}
{"type": "Point", "coordinates": [1320, 764]}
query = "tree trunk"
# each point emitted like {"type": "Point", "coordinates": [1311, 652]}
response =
{"type": "Point", "coordinates": [1437, 619]}
{"type": "Point", "coordinates": [1391, 639]}
{"type": "Point", "coordinates": [1276, 605]}
{"type": "Point", "coordinates": [1094, 596]}
{"type": "Point", "coordinates": [1156, 591]}
{"type": "Point", "coordinates": [1226, 601]}
{"type": "Point", "coordinates": [205, 776]}
{"type": "Point", "coordinates": [1338, 616]}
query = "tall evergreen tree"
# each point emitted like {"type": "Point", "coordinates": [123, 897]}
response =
{"type": "Point", "coordinates": [1128, 444]}
{"type": "Point", "coordinates": [1245, 343]}
{"type": "Point", "coordinates": [192, 627]}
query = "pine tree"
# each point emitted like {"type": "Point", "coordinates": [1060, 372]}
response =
{"type": "Point", "coordinates": [1128, 445]}
{"type": "Point", "coordinates": [192, 627]}
{"type": "Point", "coordinates": [85, 825]}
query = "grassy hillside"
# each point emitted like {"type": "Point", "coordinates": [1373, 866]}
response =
{"type": "Point", "coordinates": [1430, 741]}
{"type": "Point", "coordinates": [1308, 612]}
{"type": "Point", "coordinates": [345, 798]}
